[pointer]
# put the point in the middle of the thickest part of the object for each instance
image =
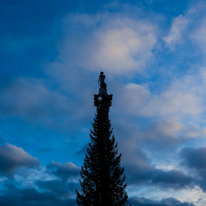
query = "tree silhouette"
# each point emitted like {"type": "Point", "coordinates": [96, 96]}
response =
{"type": "Point", "coordinates": [102, 177]}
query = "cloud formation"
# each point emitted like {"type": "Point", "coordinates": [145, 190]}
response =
{"type": "Point", "coordinates": [175, 34]}
{"type": "Point", "coordinates": [199, 35]}
{"type": "Point", "coordinates": [172, 103]}
{"type": "Point", "coordinates": [53, 185]}
{"type": "Point", "coordinates": [115, 44]}
{"type": "Point", "coordinates": [164, 202]}
{"type": "Point", "coordinates": [181, 31]}
{"type": "Point", "coordinates": [160, 178]}
{"type": "Point", "coordinates": [64, 171]}
{"type": "Point", "coordinates": [194, 157]}
{"type": "Point", "coordinates": [141, 169]}
{"type": "Point", "coordinates": [12, 157]}
{"type": "Point", "coordinates": [30, 196]}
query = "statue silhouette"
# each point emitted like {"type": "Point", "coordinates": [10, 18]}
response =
{"type": "Point", "coordinates": [101, 81]}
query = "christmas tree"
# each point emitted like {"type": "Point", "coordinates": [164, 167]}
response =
{"type": "Point", "coordinates": [102, 177]}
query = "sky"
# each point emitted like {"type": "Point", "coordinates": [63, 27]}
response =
{"type": "Point", "coordinates": [153, 55]}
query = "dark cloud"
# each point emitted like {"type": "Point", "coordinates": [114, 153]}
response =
{"type": "Point", "coordinates": [12, 157]}
{"type": "Point", "coordinates": [64, 171]}
{"type": "Point", "coordinates": [57, 191]}
{"type": "Point", "coordinates": [140, 170]}
{"type": "Point", "coordinates": [136, 201]}
{"type": "Point", "coordinates": [195, 160]}
{"type": "Point", "coordinates": [32, 197]}
{"type": "Point", "coordinates": [172, 178]}
{"type": "Point", "coordinates": [152, 176]}
{"type": "Point", "coordinates": [194, 157]}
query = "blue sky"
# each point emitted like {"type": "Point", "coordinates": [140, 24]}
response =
{"type": "Point", "coordinates": [153, 55]}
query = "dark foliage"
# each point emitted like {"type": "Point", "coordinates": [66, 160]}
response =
{"type": "Point", "coordinates": [102, 177]}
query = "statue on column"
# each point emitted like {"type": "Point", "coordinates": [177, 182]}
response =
{"type": "Point", "coordinates": [103, 86]}
{"type": "Point", "coordinates": [101, 80]}
{"type": "Point", "coordinates": [102, 99]}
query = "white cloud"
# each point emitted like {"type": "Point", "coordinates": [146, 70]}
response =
{"type": "Point", "coordinates": [163, 129]}
{"type": "Point", "coordinates": [195, 131]}
{"type": "Point", "coordinates": [173, 103]}
{"type": "Point", "coordinates": [200, 35]}
{"type": "Point", "coordinates": [183, 26]}
{"type": "Point", "coordinates": [112, 43]}
{"type": "Point", "coordinates": [175, 34]}
{"type": "Point", "coordinates": [134, 97]}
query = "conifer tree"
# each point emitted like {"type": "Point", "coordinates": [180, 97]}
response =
{"type": "Point", "coordinates": [102, 177]}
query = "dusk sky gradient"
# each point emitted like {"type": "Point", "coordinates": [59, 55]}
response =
{"type": "Point", "coordinates": [153, 53]}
